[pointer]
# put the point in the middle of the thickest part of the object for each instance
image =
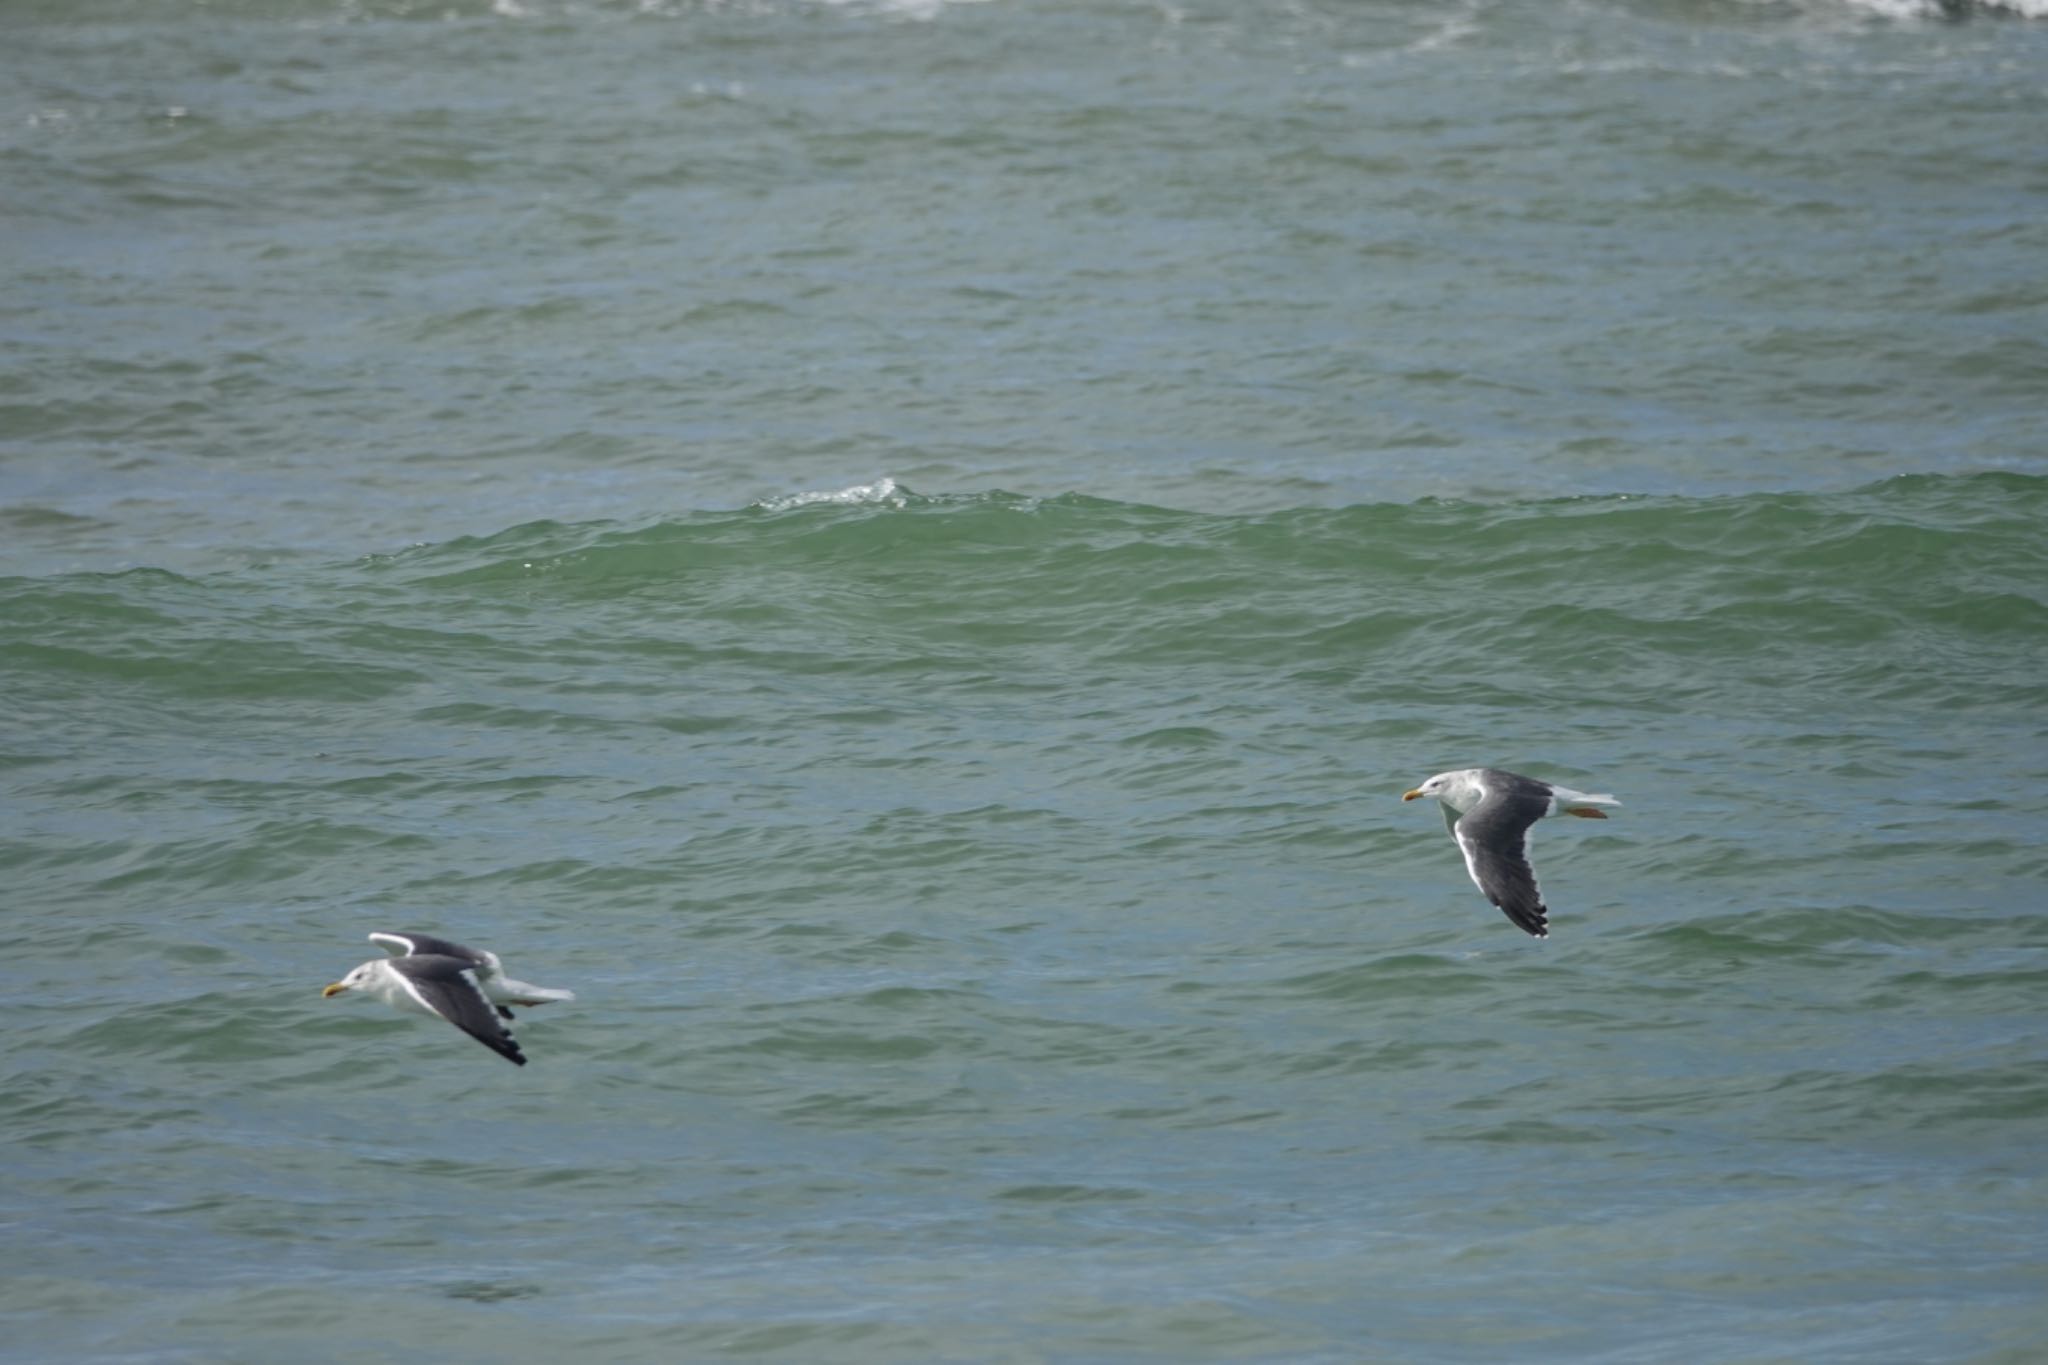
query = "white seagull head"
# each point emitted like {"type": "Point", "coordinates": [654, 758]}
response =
{"type": "Point", "coordinates": [1457, 788]}
{"type": "Point", "coordinates": [358, 979]}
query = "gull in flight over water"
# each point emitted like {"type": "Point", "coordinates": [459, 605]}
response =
{"type": "Point", "coordinates": [466, 986]}
{"type": "Point", "coordinates": [1489, 813]}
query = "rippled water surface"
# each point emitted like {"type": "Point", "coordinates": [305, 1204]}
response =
{"type": "Point", "coordinates": [906, 553]}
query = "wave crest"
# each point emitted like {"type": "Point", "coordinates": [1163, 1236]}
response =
{"type": "Point", "coordinates": [883, 492]}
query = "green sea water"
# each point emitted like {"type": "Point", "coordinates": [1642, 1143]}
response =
{"type": "Point", "coordinates": [906, 552]}
{"type": "Point", "coordinates": [998, 936]}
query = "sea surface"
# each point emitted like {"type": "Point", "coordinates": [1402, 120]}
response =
{"type": "Point", "coordinates": [906, 552]}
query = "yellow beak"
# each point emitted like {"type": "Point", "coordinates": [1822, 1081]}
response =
{"type": "Point", "coordinates": [1410, 796]}
{"type": "Point", "coordinates": [336, 989]}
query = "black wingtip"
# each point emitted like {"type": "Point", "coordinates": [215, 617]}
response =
{"type": "Point", "coordinates": [1535, 922]}
{"type": "Point", "coordinates": [504, 1044]}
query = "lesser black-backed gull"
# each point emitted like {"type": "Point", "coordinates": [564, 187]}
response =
{"type": "Point", "coordinates": [466, 986]}
{"type": "Point", "coordinates": [1489, 813]}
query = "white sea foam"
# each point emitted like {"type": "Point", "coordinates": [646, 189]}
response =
{"type": "Point", "coordinates": [1931, 9]}
{"type": "Point", "coordinates": [903, 9]}
{"type": "Point", "coordinates": [883, 492]}
{"type": "Point", "coordinates": [1897, 9]}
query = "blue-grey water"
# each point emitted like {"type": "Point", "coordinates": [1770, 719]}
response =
{"type": "Point", "coordinates": [906, 553]}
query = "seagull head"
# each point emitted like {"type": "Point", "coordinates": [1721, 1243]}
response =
{"type": "Point", "coordinates": [355, 980]}
{"type": "Point", "coordinates": [1459, 789]}
{"type": "Point", "coordinates": [1432, 787]}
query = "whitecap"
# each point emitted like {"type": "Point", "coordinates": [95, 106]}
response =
{"type": "Point", "coordinates": [902, 9]}
{"type": "Point", "coordinates": [883, 492]}
{"type": "Point", "coordinates": [1936, 9]}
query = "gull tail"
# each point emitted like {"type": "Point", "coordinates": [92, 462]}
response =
{"type": "Point", "coordinates": [519, 993]}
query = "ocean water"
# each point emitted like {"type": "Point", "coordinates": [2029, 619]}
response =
{"type": "Point", "coordinates": [906, 553]}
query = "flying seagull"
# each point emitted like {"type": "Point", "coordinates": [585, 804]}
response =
{"type": "Point", "coordinates": [1489, 813]}
{"type": "Point", "coordinates": [466, 987]}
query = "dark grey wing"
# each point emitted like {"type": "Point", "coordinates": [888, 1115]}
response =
{"type": "Point", "coordinates": [447, 986]}
{"type": "Point", "coordinates": [1494, 837]}
{"type": "Point", "coordinates": [420, 945]}
{"type": "Point", "coordinates": [423, 945]}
